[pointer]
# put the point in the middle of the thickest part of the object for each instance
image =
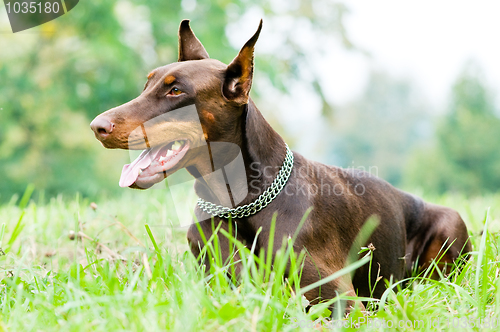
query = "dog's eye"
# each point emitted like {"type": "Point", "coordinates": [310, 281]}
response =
{"type": "Point", "coordinates": [174, 92]}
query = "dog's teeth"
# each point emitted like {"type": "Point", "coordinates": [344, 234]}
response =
{"type": "Point", "coordinates": [162, 159]}
{"type": "Point", "coordinates": [140, 171]}
{"type": "Point", "coordinates": [177, 145]}
{"type": "Point", "coordinates": [169, 153]}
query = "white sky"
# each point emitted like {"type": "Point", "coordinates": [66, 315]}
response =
{"type": "Point", "coordinates": [427, 41]}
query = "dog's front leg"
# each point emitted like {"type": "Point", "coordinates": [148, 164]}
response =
{"type": "Point", "coordinates": [311, 273]}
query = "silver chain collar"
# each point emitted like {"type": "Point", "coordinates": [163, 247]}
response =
{"type": "Point", "coordinates": [261, 202]}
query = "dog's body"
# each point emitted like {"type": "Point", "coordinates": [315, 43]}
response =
{"type": "Point", "coordinates": [410, 230]}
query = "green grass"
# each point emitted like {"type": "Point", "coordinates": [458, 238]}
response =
{"type": "Point", "coordinates": [123, 265]}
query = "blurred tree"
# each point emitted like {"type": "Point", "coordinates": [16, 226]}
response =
{"type": "Point", "coordinates": [377, 131]}
{"type": "Point", "coordinates": [54, 82]}
{"type": "Point", "coordinates": [57, 77]}
{"type": "Point", "coordinates": [465, 154]}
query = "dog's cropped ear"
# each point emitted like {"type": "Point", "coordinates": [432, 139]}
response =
{"type": "Point", "coordinates": [190, 48]}
{"type": "Point", "coordinates": [239, 73]}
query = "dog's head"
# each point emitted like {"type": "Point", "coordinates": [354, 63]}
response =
{"type": "Point", "coordinates": [183, 105]}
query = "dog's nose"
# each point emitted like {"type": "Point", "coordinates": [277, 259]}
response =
{"type": "Point", "coordinates": [102, 127]}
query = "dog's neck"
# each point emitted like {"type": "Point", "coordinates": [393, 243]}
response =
{"type": "Point", "coordinates": [263, 152]}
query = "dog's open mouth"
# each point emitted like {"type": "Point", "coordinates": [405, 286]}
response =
{"type": "Point", "coordinates": [153, 163]}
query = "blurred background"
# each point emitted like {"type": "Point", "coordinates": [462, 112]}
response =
{"type": "Point", "coordinates": [407, 91]}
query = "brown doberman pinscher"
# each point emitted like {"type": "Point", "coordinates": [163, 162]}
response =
{"type": "Point", "coordinates": [410, 233]}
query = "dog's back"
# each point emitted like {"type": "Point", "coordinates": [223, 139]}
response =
{"type": "Point", "coordinates": [411, 232]}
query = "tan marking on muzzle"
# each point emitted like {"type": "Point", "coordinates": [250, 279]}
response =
{"type": "Point", "coordinates": [179, 124]}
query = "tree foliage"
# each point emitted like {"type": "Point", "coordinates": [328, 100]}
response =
{"type": "Point", "coordinates": [465, 154]}
{"type": "Point", "coordinates": [377, 130]}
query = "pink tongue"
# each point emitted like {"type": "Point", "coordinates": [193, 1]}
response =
{"type": "Point", "coordinates": [130, 172]}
